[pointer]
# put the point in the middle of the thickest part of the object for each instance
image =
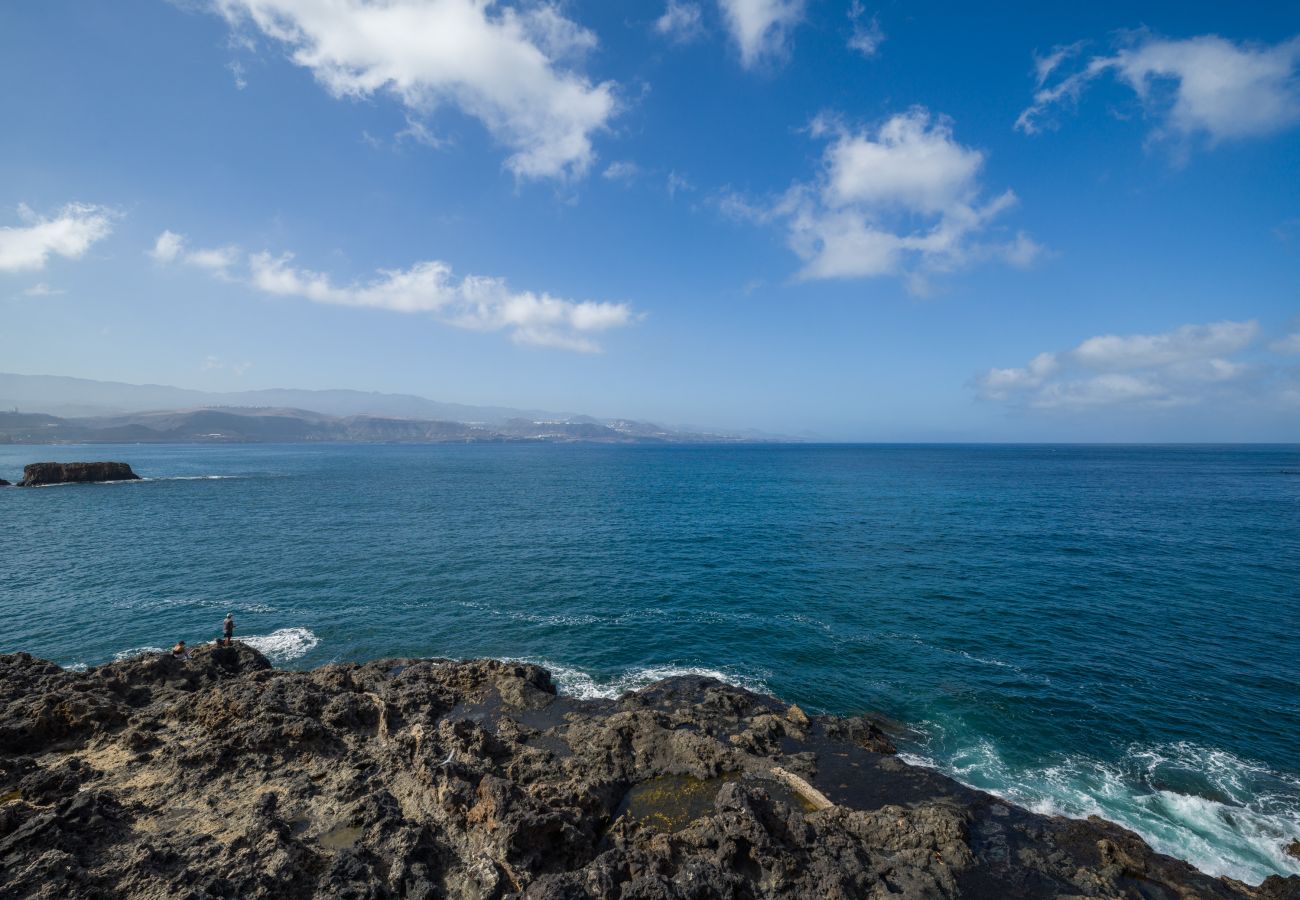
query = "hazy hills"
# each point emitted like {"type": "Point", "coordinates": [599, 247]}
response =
{"type": "Point", "coordinates": [41, 409]}
{"type": "Point", "coordinates": [62, 396]}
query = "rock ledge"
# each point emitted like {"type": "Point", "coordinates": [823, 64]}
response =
{"type": "Point", "coordinates": [223, 777]}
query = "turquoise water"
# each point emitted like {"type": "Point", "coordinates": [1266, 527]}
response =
{"type": "Point", "coordinates": [1109, 630]}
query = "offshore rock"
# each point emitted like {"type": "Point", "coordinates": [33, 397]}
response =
{"type": "Point", "coordinates": [77, 472]}
{"type": "Point", "coordinates": [222, 777]}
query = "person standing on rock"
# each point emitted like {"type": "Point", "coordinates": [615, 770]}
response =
{"type": "Point", "coordinates": [228, 628]}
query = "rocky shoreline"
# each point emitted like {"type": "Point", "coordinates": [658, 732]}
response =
{"type": "Point", "coordinates": [223, 777]}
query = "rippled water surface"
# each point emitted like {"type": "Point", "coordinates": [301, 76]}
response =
{"type": "Point", "coordinates": [1081, 629]}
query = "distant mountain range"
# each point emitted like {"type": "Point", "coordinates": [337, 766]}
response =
{"type": "Point", "coordinates": [62, 396]}
{"type": "Point", "coordinates": [77, 410]}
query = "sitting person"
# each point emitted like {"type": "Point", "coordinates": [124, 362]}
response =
{"type": "Point", "coordinates": [180, 651]}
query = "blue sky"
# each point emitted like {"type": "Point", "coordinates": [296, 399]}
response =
{"type": "Point", "coordinates": [861, 221]}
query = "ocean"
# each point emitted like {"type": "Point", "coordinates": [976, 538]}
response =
{"type": "Point", "coordinates": [1110, 630]}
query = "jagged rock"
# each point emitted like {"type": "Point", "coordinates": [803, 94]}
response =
{"type": "Point", "coordinates": [4, 483]}
{"type": "Point", "coordinates": [222, 777]}
{"type": "Point", "coordinates": [77, 472]}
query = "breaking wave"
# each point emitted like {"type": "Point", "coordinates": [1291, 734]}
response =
{"type": "Point", "coordinates": [574, 682]}
{"type": "Point", "coordinates": [283, 644]}
{"type": "Point", "coordinates": [1224, 814]}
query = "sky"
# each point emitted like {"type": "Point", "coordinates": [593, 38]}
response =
{"type": "Point", "coordinates": [839, 220]}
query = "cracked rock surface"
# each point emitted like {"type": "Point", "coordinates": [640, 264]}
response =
{"type": "Point", "coordinates": [223, 777]}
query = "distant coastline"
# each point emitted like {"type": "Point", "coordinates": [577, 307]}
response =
{"type": "Point", "coordinates": [243, 425]}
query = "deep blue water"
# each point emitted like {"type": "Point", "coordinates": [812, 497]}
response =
{"type": "Point", "coordinates": [1081, 629]}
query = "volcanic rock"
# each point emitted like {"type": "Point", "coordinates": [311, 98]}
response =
{"type": "Point", "coordinates": [223, 777]}
{"type": "Point", "coordinates": [77, 472]}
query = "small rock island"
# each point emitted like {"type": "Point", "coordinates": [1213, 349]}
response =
{"type": "Point", "coordinates": [41, 473]}
{"type": "Point", "coordinates": [219, 776]}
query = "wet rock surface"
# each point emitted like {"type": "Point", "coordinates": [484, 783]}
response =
{"type": "Point", "coordinates": [222, 777]}
{"type": "Point", "coordinates": [36, 474]}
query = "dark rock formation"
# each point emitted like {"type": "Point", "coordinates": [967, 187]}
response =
{"type": "Point", "coordinates": [78, 472]}
{"type": "Point", "coordinates": [222, 777]}
{"type": "Point", "coordinates": [3, 483]}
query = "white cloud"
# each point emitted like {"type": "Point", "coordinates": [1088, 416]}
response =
{"type": "Point", "coordinates": [473, 301]}
{"type": "Point", "coordinates": [761, 28]}
{"type": "Point", "coordinates": [215, 363]}
{"type": "Point", "coordinates": [1203, 85]}
{"type": "Point", "coordinates": [511, 69]}
{"type": "Point", "coordinates": [216, 259]}
{"type": "Point", "coordinates": [621, 170]}
{"type": "Point", "coordinates": [681, 22]}
{"type": "Point", "coordinates": [420, 133]}
{"type": "Point", "coordinates": [170, 247]}
{"type": "Point", "coordinates": [1288, 345]}
{"type": "Point", "coordinates": [904, 199]}
{"type": "Point", "coordinates": [677, 182]}
{"type": "Point", "coordinates": [1186, 344]}
{"type": "Point", "coordinates": [867, 36]}
{"type": "Point", "coordinates": [1175, 368]}
{"type": "Point", "coordinates": [1044, 66]}
{"type": "Point", "coordinates": [69, 233]}
{"type": "Point", "coordinates": [41, 289]}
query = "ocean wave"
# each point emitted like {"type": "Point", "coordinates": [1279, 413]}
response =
{"type": "Point", "coordinates": [283, 644]}
{"type": "Point", "coordinates": [564, 619]}
{"type": "Point", "coordinates": [157, 603]}
{"type": "Point", "coordinates": [575, 682]}
{"type": "Point", "coordinates": [182, 478]}
{"type": "Point", "coordinates": [1224, 814]}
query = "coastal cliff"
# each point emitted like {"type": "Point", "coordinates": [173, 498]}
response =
{"type": "Point", "coordinates": [223, 777]}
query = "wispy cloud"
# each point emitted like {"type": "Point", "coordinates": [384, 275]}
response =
{"type": "Point", "coordinates": [513, 69]}
{"type": "Point", "coordinates": [41, 289]}
{"type": "Point", "coordinates": [171, 247]}
{"type": "Point", "coordinates": [902, 199]}
{"type": "Point", "coordinates": [761, 28]}
{"type": "Point", "coordinates": [681, 22]}
{"type": "Point", "coordinates": [1205, 85]}
{"type": "Point", "coordinates": [1181, 367]}
{"type": "Point", "coordinates": [68, 233]}
{"type": "Point", "coordinates": [1289, 344]}
{"type": "Point", "coordinates": [213, 363]}
{"type": "Point", "coordinates": [677, 183]}
{"type": "Point", "coordinates": [474, 302]}
{"type": "Point", "coordinates": [867, 35]}
{"type": "Point", "coordinates": [621, 170]}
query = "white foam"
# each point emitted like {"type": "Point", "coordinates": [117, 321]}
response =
{"type": "Point", "coordinates": [182, 478]}
{"type": "Point", "coordinates": [574, 682]}
{"type": "Point", "coordinates": [283, 644]}
{"type": "Point", "coordinates": [135, 651]}
{"type": "Point", "coordinates": [1240, 832]}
